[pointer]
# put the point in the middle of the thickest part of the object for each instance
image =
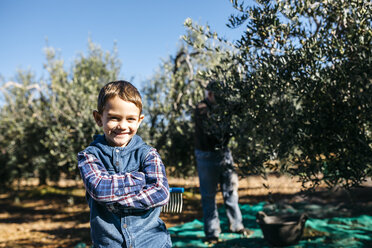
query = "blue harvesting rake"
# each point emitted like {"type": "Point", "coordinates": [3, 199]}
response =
{"type": "Point", "coordinates": [175, 202]}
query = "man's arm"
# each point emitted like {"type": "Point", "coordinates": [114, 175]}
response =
{"type": "Point", "coordinates": [102, 186]}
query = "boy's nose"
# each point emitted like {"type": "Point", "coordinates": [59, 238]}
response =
{"type": "Point", "coordinates": [123, 125]}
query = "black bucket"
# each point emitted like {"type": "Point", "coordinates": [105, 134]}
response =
{"type": "Point", "coordinates": [281, 229]}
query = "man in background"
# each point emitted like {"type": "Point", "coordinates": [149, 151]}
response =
{"type": "Point", "coordinates": [215, 167]}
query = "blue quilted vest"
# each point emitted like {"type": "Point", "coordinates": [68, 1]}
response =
{"type": "Point", "coordinates": [126, 227]}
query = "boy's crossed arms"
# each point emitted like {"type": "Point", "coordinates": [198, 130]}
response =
{"type": "Point", "coordinates": [143, 189]}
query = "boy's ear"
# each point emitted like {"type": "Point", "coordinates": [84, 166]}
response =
{"type": "Point", "coordinates": [97, 118]}
{"type": "Point", "coordinates": [140, 119]}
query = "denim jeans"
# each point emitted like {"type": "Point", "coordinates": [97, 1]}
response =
{"type": "Point", "coordinates": [214, 168]}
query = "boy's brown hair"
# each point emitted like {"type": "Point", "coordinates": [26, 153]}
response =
{"type": "Point", "coordinates": [125, 90]}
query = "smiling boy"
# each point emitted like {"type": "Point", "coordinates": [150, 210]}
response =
{"type": "Point", "coordinates": [124, 178]}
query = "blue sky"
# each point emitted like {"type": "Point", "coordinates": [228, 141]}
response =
{"type": "Point", "coordinates": [145, 31]}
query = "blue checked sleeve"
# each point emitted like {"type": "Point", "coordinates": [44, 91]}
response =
{"type": "Point", "coordinates": [106, 188]}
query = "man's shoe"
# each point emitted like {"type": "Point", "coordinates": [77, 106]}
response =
{"type": "Point", "coordinates": [211, 240]}
{"type": "Point", "coordinates": [245, 232]}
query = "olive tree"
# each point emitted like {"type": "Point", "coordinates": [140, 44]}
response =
{"type": "Point", "coordinates": [44, 123]}
{"type": "Point", "coordinates": [169, 100]}
{"type": "Point", "coordinates": [297, 95]}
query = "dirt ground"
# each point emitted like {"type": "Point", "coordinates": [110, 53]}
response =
{"type": "Point", "coordinates": [57, 215]}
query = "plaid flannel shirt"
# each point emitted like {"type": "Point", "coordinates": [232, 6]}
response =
{"type": "Point", "coordinates": [143, 189]}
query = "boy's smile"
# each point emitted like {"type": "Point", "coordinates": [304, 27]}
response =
{"type": "Point", "coordinates": [120, 121]}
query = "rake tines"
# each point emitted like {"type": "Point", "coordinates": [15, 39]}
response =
{"type": "Point", "coordinates": [175, 202]}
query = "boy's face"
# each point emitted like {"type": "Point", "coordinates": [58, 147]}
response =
{"type": "Point", "coordinates": [120, 120]}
